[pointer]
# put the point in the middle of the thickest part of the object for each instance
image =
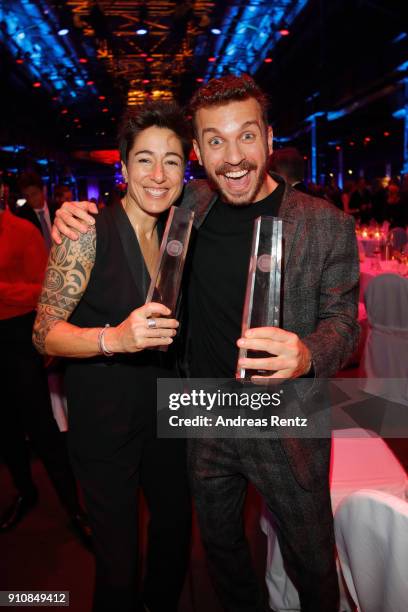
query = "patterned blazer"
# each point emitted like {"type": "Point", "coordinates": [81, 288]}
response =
{"type": "Point", "coordinates": [320, 296]}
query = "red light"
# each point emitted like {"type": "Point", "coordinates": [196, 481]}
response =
{"type": "Point", "coordinates": [212, 59]}
{"type": "Point", "coordinates": [90, 82]}
{"type": "Point", "coordinates": [305, 157]}
{"type": "Point", "coordinates": [83, 60]}
{"type": "Point", "coordinates": [143, 55]}
{"type": "Point", "coordinates": [55, 98]}
{"type": "Point", "coordinates": [102, 97]}
{"type": "Point", "coordinates": [367, 139]}
{"type": "Point", "coordinates": [386, 134]}
{"type": "Point", "coordinates": [338, 148]}
{"type": "Point", "coordinates": [76, 120]}
{"type": "Point", "coordinates": [268, 60]}
{"type": "Point", "coordinates": [37, 84]}
{"type": "Point", "coordinates": [105, 110]}
{"type": "Point", "coordinates": [352, 143]}
{"type": "Point", "coordinates": [284, 32]}
{"type": "Point", "coordinates": [200, 80]}
{"type": "Point", "coordinates": [64, 111]}
{"type": "Point", "coordinates": [145, 81]}
{"type": "Point", "coordinates": [19, 61]}
{"type": "Point", "coordinates": [150, 59]}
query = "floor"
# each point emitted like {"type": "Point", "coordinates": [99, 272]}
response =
{"type": "Point", "coordinates": [42, 553]}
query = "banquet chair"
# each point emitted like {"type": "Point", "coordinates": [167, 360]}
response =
{"type": "Point", "coordinates": [399, 239]}
{"type": "Point", "coordinates": [359, 460]}
{"type": "Point", "coordinates": [385, 354]}
{"type": "Point", "coordinates": [372, 543]}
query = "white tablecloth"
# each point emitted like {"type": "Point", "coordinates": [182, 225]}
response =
{"type": "Point", "coordinates": [372, 541]}
{"type": "Point", "coordinates": [357, 463]}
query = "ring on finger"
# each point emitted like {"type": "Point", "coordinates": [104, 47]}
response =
{"type": "Point", "coordinates": [151, 323]}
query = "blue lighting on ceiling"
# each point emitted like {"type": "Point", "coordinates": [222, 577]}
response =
{"type": "Point", "coordinates": [49, 55]}
{"type": "Point", "coordinates": [403, 67]}
{"type": "Point", "coordinates": [313, 117]}
{"type": "Point", "coordinates": [400, 37]}
{"type": "Point", "coordinates": [400, 114]}
{"type": "Point", "coordinates": [333, 115]}
{"type": "Point", "coordinates": [42, 162]}
{"type": "Point", "coordinates": [249, 34]}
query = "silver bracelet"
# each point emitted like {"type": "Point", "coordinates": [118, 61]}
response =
{"type": "Point", "coordinates": [101, 342]}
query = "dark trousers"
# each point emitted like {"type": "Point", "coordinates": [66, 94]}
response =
{"type": "Point", "coordinates": [110, 482]}
{"type": "Point", "coordinates": [220, 470]}
{"type": "Point", "coordinates": [26, 409]}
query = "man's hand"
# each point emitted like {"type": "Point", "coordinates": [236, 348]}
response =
{"type": "Point", "coordinates": [290, 358]}
{"type": "Point", "coordinates": [73, 216]}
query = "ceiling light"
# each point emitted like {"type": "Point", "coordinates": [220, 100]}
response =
{"type": "Point", "coordinates": [63, 32]}
{"type": "Point", "coordinates": [215, 31]}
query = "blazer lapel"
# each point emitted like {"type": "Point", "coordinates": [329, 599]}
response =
{"type": "Point", "coordinates": [131, 249]}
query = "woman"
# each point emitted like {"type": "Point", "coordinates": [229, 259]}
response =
{"type": "Point", "coordinates": [92, 310]}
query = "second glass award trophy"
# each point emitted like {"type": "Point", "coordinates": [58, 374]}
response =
{"type": "Point", "coordinates": [263, 290]}
{"type": "Point", "coordinates": [165, 283]}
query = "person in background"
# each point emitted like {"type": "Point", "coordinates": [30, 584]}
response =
{"type": "Point", "coordinates": [36, 209]}
{"type": "Point", "coordinates": [360, 199]}
{"type": "Point", "coordinates": [26, 407]}
{"type": "Point", "coordinates": [289, 164]}
{"type": "Point", "coordinates": [62, 193]}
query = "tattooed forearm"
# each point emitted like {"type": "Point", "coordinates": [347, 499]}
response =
{"type": "Point", "coordinates": [68, 271]}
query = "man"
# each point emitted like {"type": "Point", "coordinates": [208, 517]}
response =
{"type": "Point", "coordinates": [26, 407]}
{"type": "Point", "coordinates": [36, 209]}
{"type": "Point", "coordinates": [62, 193]}
{"type": "Point", "coordinates": [318, 332]}
{"type": "Point", "coordinates": [289, 163]}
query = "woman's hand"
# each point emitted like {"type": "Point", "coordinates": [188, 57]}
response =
{"type": "Point", "coordinates": [135, 333]}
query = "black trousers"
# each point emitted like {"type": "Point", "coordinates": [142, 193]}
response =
{"type": "Point", "coordinates": [26, 409]}
{"type": "Point", "coordinates": [220, 470]}
{"type": "Point", "coordinates": [110, 481]}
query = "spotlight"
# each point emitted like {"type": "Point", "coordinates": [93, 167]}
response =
{"type": "Point", "coordinates": [150, 59]}
{"type": "Point", "coordinates": [268, 60]}
{"type": "Point", "coordinates": [63, 32]}
{"type": "Point", "coordinates": [83, 60]}
{"type": "Point", "coordinates": [215, 31]}
{"type": "Point", "coordinates": [212, 59]}
{"type": "Point", "coordinates": [284, 32]}
{"type": "Point", "coordinates": [145, 81]}
{"type": "Point", "coordinates": [141, 31]}
{"type": "Point", "coordinates": [199, 80]}
{"type": "Point", "coordinates": [102, 97]}
{"type": "Point", "coordinates": [36, 84]}
{"type": "Point", "coordinates": [90, 82]}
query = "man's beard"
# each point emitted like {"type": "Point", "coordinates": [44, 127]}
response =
{"type": "Point", "coordinates": [245, 198]}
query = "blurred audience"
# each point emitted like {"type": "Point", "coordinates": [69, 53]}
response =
{"type": "Point", "coordinates": [26, 407]}
{"type": "Point", "coordinates": [289, 164]}
{"type": "Point", "coordinates": [36, 209]}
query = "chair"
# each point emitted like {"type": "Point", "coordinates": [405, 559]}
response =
{"type": "Point", "coordinates": [386, 351]}
{"type": "Point", "coordinates": [372, 542]}
{"type": "Point", "coordinates": [359, 460]}
{"type": "Point", "coordinates": [398, 237]}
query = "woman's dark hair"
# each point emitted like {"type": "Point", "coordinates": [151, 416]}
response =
{"type": "Point", "coordinates": [160, 114]}
{"type": "Point", "coordinates": [230, 88]}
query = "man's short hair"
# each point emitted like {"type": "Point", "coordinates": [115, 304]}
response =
{"type": "Point", "coordinates": [156, 113]}
{"type": "Point", "coordinates": [289, 163]}
{"type": "Point", "coordinates": [230, 88]}
{"type": "Point", "coordinates": [29, 179]}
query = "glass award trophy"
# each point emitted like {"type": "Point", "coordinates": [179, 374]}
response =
{"type": "Point", "coordinates": [165, 284]}
{"type": "Point", "coordinates": [263, 290]}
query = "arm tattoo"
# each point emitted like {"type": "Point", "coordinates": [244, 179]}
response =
{"type": "Point", "coordinates": [66, 278]}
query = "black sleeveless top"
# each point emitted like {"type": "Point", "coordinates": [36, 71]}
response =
{"type": "Point", "coordinates": [123, 386]}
